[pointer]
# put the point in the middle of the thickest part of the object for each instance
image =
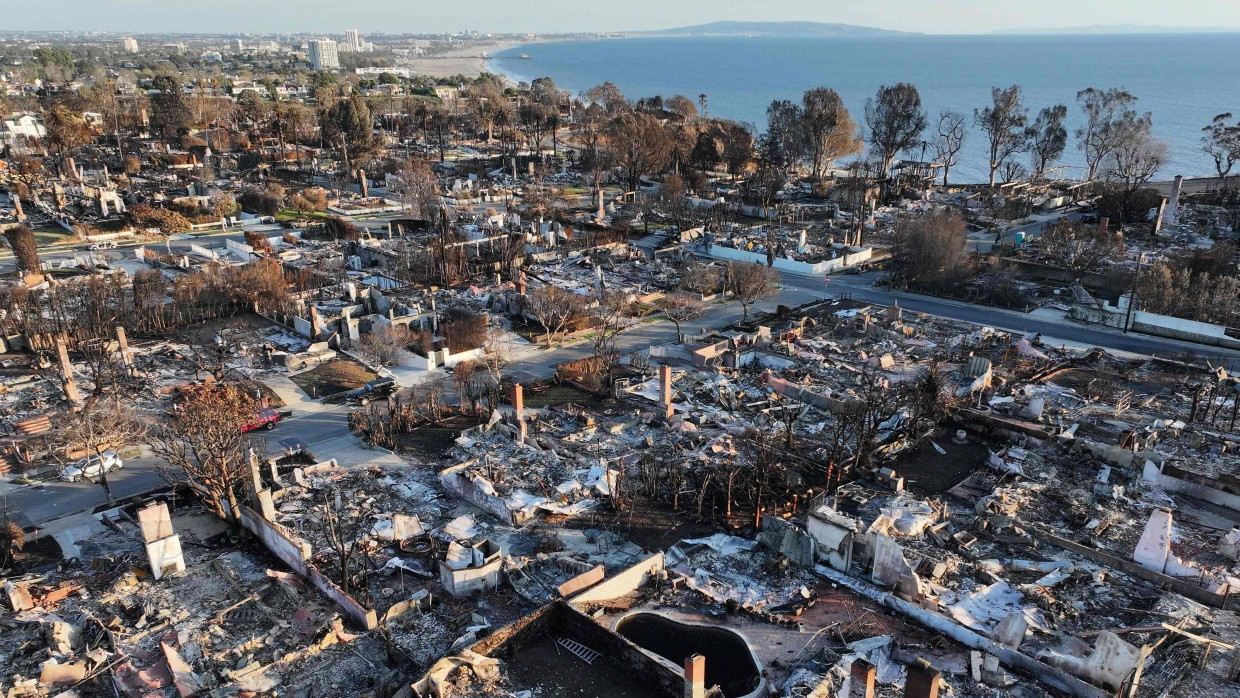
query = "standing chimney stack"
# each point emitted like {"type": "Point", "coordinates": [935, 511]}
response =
{"type": "Point", "coordinates": [315, 327]}
{"type": "Point", "coordinates": [518, 406]}
{"type": "Point", "coordinates": [695, 676]}
{"type": "Point", "coordinates": [862, 684]}
{"type": "Point", "coordinates": [1171, 215]}
{"type": "Point", "coordinates": [922, 680]}
{"type": "Point", "coordinates": [665, 390]}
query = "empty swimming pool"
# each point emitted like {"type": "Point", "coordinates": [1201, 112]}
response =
{"type": "Point", "coordinates": [730, 663]}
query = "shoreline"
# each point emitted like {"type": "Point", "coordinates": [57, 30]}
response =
{"type": "Point", "coordinates": [470, 62]}
{"type": "Point", "coordinates": [473, 61]}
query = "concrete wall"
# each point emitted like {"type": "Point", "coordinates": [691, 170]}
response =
{"type": "Point", "coordinates": [1158, 325]}
{"type": "Point", "coordinates": [839, 556]}
{"type": "Point", "coordinates": [1046, 272]}
{"type": "Point", "coordinates": [661, 674]}
{"type": "Point", "coordinates": [295, 553]}
{"type": "Point", "coordinates": [465, 581]}
{"type": "Point", "coordinates": [789, 540]}
{"type": "Point", "coordinates": [889, 562]}
{"type": "Point", "coordinates": [796, 392]}
{"type": "Point", "coordinates": [278, 539]}
{"type": "Point", "coordinates": [855, 255]}
{"type": "Point", "coordinates": [561, 619]}
{"type": "Point", "coordinates": [1218, 490]}
{"type": "Point", "coordinates": [445, 357]}
{"type": "Point", "coordinates": [1191, 590]}
{"type": "Point", "coordinates": [1174, 326]}
{"type": "Point", "coordinates": [303, 327]}
{"type": "Point", "coordinates": [202, 251]}
{"type": "Point", "coordinates": [454, 478]}
{"type": "Point", "coordinates": [1115, 455]}
{"type": "Point", "coordinates": [622, 583]}
{"type": "Point", "coordinates": [240, 248]}
{"type": "Point", "coordinates": [360, 613]}
{"type": "Point", "coordinates": [583, 581]}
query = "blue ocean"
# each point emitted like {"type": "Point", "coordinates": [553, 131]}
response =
{"type": "Point", "coordinates": [1183, 80]}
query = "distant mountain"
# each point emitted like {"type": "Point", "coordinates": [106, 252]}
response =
{"type": "Point", "coordinates": [780, 29]}
{"type": "Point", "coordinates": [1120, 29]}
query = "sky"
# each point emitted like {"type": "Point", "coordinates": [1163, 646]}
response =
{"type": "Point", "coordinates": [552, 16]}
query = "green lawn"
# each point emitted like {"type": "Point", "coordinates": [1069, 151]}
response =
{"type": "Point", "coordinates": [289, 214]}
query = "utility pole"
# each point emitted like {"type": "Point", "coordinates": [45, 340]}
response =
{"type": "Point", "coordinates": [1132, 295]}
{"type": "Point", "coordinates": [116, 127]}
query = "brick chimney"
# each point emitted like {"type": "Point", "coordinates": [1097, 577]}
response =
{"type": "Point", "coordinates": [695, 676]}
{"type": "Point", "coordinates": [1104, 223]}
{"type": "Point", "coordinates": [922, 680]}
{"type": "Point", "coordinates": [665, 389]}
{"type": "Point", "coordinates": [518, 405]}
{"type": "Point", "coordinates": [315, 326]}
{"type": "Point", "coordinates": [862, 683]}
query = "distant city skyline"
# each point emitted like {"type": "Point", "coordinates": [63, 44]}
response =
{"type": "Point", "coordinates": [561, 16]}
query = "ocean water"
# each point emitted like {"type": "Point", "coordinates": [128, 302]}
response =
{"type": "Point", "coordinates": [1183, 80]}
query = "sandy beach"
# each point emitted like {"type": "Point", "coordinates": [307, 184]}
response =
{"type": "Point", "coordinates": [470, 61]}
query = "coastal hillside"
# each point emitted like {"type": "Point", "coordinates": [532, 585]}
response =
{"type": "Point", "coordinates": [799, 29]}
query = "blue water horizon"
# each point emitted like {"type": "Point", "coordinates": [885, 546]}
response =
{"type": "Point", "coordinates": [1184, 80]}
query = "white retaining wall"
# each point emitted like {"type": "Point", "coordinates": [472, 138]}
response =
{"type": "Point", "coordinates": [853, 255]}
{"type": "Point", "coordinates": [624, 582]}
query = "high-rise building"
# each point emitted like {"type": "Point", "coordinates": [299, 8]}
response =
{"type": "Point", "coordinates": [352, 40]}
{"type": "Point", "coordinates": [238, 45]}
{"type": "Point", "coordinates": [322, 54]}
{"type": "Point", "coordinates": [130, 45]}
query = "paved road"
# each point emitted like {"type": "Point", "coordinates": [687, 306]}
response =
{"type": "Point", "coordinates": [45, 501]}
{"type": "Point", "coordinates": [800, 289]}
{"type": "Point", "coordinates": [861, 287]}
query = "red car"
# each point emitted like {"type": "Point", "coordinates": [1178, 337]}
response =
{"type": "Point", "coordinates": [263, 419]}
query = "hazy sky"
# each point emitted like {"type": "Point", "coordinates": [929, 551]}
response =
{"type": "Point", "coordinates": [397, 16]}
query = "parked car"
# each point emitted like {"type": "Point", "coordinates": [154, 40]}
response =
{"type": "Point", "coordinates": [105, 245]}
{"type": "Point", "coordinates": [265, 418]}
{"type": "Point", "coordinates": [374, 390]}
{"type": "Point", "coordinates": [92, 467]}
